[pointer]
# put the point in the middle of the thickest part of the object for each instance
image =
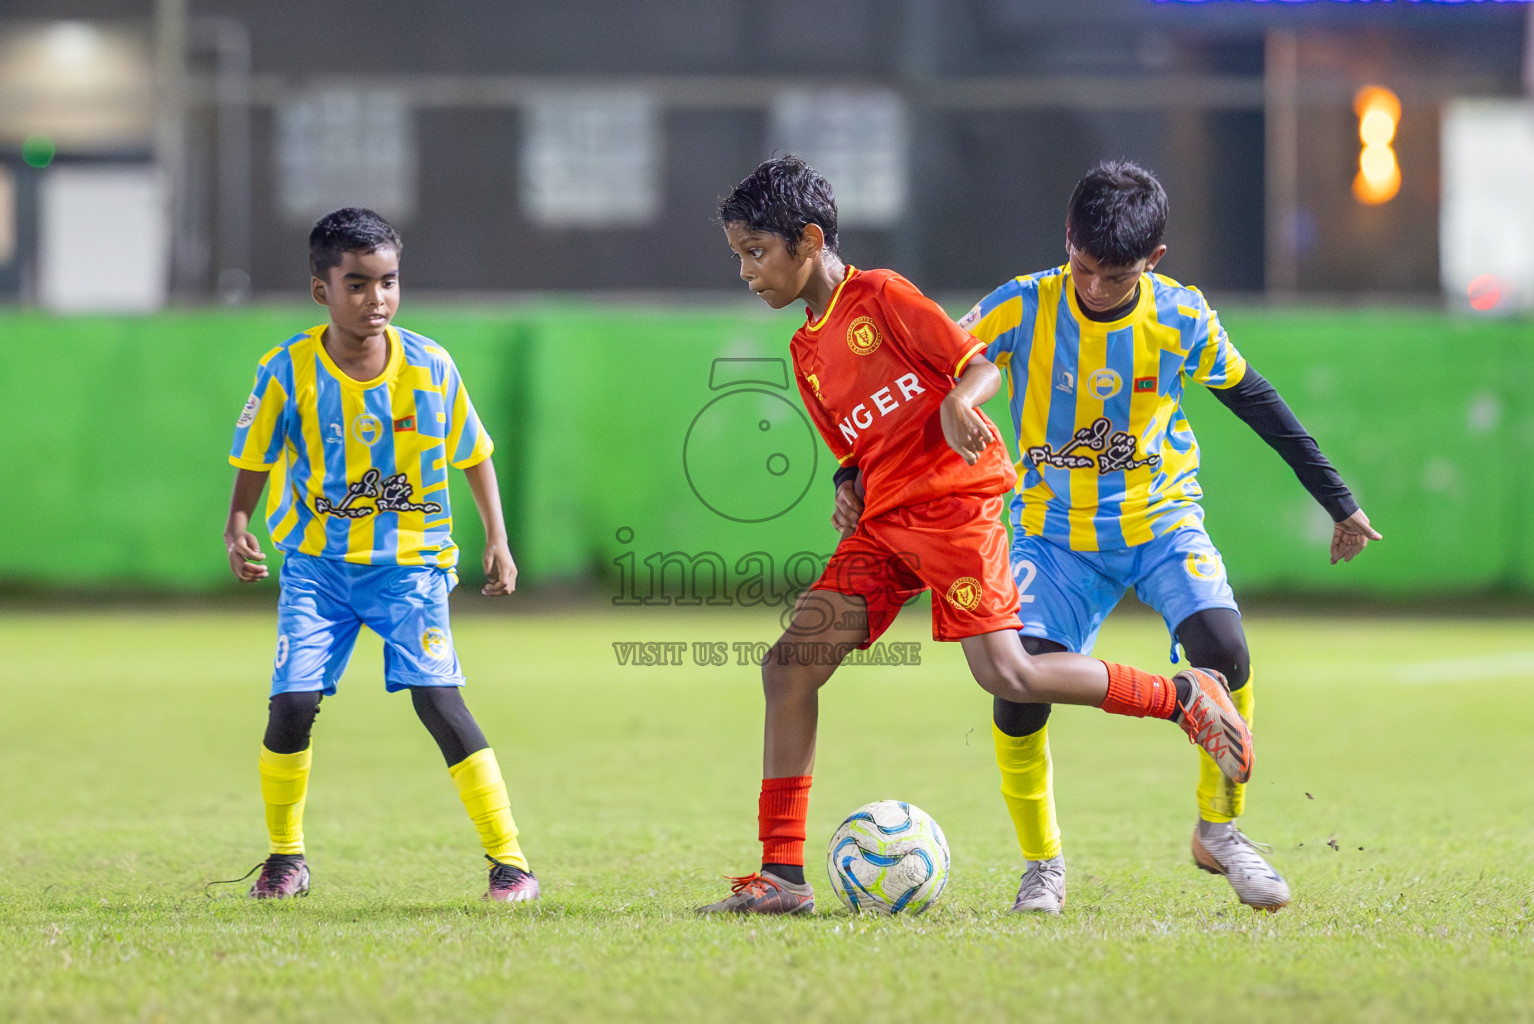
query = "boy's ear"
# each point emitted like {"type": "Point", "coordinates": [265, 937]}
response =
{"type": "Point", "coordinates": [1155, 257]}
{"type": "Point", "coordinates": [317, 290]}
{"type": "Point", "coordinates": [812, 240]}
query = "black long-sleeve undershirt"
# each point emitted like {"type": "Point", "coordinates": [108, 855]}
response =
{"type": "Point", "coordinates": [1260, 407]}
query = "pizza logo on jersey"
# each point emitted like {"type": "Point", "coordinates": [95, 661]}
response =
{"type": "Point", "coordinates": [1117, 450]}
{"type": "Point", "coordinates": [1203, 565]}
{"type": "Point", "coordinates": [863, 336]}
{"type": "Point", "coordinates": [434, 643]}
{"type": "Point", "coordinates": [248, 414]}
{"type": "Point", "coordinates": [971, 318]}
{"type": "Point", "coordinates": [965, 593]}
{"type": "Point", "coordinates": [1104, 383]}
{"type": "Point", "coordinates": [395, 494]}
{"type": "Point", "coordinates": [389, 494]}
{"type": "Point", "coordinates": [1120, 456]}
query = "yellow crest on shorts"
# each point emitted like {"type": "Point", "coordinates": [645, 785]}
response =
{"type": "Point", "coordinates": [965, 593]}
{"type": "Point", "coordinates": [863, 336]}
{"type": "Point", "coordinates": [434, 642]}
{"type": "Point", "coordinates": [1203, 565]}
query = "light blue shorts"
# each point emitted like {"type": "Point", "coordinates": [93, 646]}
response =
{"type": "Point", "coordinates": [324, 602]}
{"type": "Point", "coordinates": [1067, 594]}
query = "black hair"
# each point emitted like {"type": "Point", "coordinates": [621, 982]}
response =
{"type": "Point", "coordinates": [1117, 213]}
{"type": "Point", "coordinates": [349, 229]}
{"type": "Point", "coordinates": [782, 196]}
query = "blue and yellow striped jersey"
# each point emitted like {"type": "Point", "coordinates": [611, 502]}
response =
{"type": "Point", "coordinates": [1108, 460]}
{"type": "Point", "coordinates": [359, 468]}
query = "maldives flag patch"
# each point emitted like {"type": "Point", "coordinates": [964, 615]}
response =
{"type": "Point", "coordinates": [1141, 384]}
{"type": "Point", "coordinates": [408, 423]}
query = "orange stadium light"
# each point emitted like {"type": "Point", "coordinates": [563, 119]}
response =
{"type": "Point", "coordinates": [1379, 174]}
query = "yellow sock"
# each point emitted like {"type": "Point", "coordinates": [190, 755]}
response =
{"type": "Point", "coordinates": [284, 788]}
{"type": "Point", "coordinates": [483, 791]}
{"type": "Point", "coordinates": [1220, 799]}
{"type": "Point", "coordinates": [1026, 786]}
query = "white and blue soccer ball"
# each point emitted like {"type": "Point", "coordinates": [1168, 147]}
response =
{"type": "Point", "coordinates": [888, 857]}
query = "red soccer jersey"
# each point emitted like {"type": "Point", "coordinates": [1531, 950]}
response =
{"type": "Point", "coordinates": [873, 372]}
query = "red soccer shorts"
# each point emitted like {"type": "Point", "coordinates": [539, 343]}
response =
{"type": "Point", "coordinates": [955, 547]}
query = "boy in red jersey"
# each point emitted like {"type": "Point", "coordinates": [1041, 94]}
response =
{"type": "Point", "coordinates": [894, 388]}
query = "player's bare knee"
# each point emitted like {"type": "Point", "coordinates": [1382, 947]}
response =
{"type": "Point", "coordinates": [1020, 684]}
{"type": "Point", "coordinates": [799, 666]}
{"type": "Point", "coordinates": [1007, 681]}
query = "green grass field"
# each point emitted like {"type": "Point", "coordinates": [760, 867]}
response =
{"type": "Point", "coordinates": [1392, 778]}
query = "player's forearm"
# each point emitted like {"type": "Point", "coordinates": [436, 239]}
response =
{"type": "Point", "coordinates": [1261, 407]}
{"type": "Point", "coordinates": [978, 383]}
{"type": "Point", "coordinates": [248, 485]}
{"type": "Point", "coordinates": [487, 498]}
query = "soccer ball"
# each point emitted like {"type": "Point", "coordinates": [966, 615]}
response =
{"type": "Point", "coordinates": [888, 857]}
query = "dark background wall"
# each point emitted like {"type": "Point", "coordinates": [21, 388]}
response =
{"type": "Point", "coordinates": [989, 183]}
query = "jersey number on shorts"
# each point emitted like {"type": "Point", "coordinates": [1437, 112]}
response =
{"type": "Point", "coordinates": [1024, 572]}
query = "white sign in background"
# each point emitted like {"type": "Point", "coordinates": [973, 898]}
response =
{"type": "Point", "coordinates": [7, 216]}
{"type": "Point", "coordinates": [858, 139]}
{"type": "Point", "coordinates": [104, 239]}
{"type": "Point", "coordinates": [344, 147]}
{"type": "Point", "coordinates": [591, 158]}
{"type": "Point", "coordinates": [1486, 217]}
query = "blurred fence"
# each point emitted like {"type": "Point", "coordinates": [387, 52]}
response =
{"type": "Point", "coordinates": [662, 451]}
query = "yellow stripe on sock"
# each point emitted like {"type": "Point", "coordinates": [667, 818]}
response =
{"type": "Point", "coordinates": [483, 792]}
{"type": "Point", "coordinates": [1219, 799]}
{"type": "Point", "coordinates": [1027, 787]}
{"type": "Point", "coordinates": [284, 789]}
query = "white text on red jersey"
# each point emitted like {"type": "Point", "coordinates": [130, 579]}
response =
{"type": "Point", "coordinates": [884, 401]}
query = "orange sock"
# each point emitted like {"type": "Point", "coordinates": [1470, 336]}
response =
{"type": "Point", "coordinates": [781, 812]}
{"type": "Point", "coordinates": [1138, 694]}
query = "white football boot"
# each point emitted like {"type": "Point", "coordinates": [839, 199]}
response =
{"type": "Point", "coordinates": [1221, 849]}
{"type": "Point", "coordinates": [1043, 888]}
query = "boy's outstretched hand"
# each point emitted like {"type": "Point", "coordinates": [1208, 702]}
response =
{"type": "Point", "coordinates": [963, 428]}
{"type": "Point", "coordinates": [500, 570]}
{"type": "Point", "coordinates": [1350, 536]}
{"type": "Point", "coordinates": [245, 557]}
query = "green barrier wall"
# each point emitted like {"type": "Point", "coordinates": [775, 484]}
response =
{"type": "Point", "coordinates": [656, 449]}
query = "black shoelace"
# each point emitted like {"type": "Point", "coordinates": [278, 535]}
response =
{"type": "Point", "coordinates": [280, 870]}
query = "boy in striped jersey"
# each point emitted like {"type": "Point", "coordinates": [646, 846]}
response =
{"type": "Point", "coordinates": [356, 422]}
{"type": "Point", "coordinates": [1098, 352]}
